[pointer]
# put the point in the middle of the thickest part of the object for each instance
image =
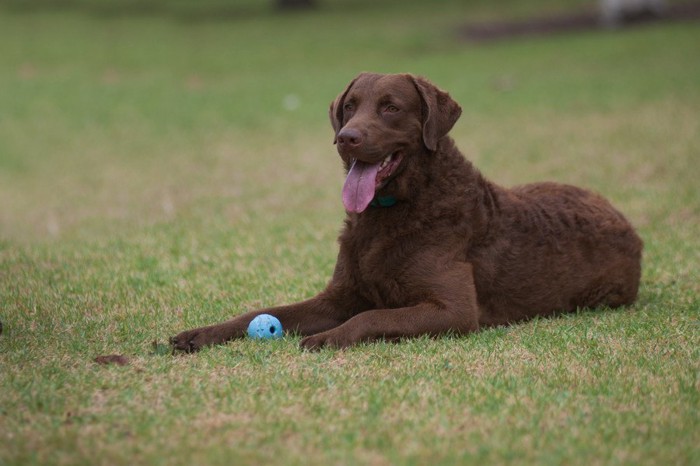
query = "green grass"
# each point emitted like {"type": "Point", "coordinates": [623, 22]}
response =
{"type": "Point", "coordinates": [151, 180]}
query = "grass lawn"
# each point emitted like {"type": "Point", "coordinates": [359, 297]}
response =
{"type": "Point", "coordinates": [171, 166]}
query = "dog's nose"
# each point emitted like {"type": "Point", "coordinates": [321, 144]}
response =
{"type": "Point", "coordinates": [349, 137]}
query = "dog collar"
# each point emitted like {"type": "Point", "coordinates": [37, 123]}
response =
{"type": "Point", "coordinates": [383, 201]}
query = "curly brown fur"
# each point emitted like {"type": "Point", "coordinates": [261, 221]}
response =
{"type": "Point", "coordinates": [455, 252]}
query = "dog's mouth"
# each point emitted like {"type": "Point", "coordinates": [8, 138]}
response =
{"type": "Point", "coordinates": [365, 179]}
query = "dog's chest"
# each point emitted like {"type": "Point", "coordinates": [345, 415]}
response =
{"type": "Point", "coordinates": [381, 280]}
{"type": "Point", "coordinates": [380, 268]}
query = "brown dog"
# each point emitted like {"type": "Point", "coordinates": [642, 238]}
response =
{"type": "Point", "coordinates": [430, 246]}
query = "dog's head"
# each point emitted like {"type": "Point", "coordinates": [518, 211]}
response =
{"type": "Point", "coordinates": [380, 123]}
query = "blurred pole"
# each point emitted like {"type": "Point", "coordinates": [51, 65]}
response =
{"type": "Point", "coordinates": [615, 13]}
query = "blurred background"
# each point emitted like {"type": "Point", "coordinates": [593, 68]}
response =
{"type": "Point", "coordinates": [118, 115]}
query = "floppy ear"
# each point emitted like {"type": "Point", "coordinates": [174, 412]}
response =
{"type": "Point", "coordinates": [336, 110]}
{"type": "Point", "coordinates": [439, 113]}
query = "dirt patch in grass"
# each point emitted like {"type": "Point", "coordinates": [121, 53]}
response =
{"type": "Point", "coordinates": [587, 20]}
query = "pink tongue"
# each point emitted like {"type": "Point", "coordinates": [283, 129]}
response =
{"type": "Point", "coordinates": [358, 190]}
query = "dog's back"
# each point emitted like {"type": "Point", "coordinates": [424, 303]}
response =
{"type": "Point", "coordinates": [557, 248]}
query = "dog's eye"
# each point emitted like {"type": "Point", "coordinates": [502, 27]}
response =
{"type": "Point", "coordinates": [391, 109]}
{"type": "Point", "coordinates": [348, 107]}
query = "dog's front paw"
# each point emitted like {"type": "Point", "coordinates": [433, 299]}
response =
{"type": "Point", "coordinates": [329, 339]}
{"type": "Point", "coordinates": [312, 343]}
{"type": "Point", "coordinates": [193, 340]}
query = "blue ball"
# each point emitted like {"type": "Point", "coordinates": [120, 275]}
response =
{"type": "Point", "coordinates": [265, 326]}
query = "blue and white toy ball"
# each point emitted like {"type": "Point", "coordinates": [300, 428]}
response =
{"type": "Point", "coordinates": [265, 326]}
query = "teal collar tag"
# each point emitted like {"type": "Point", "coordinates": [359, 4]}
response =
{"type": "Point", "coordinates": [387, 201]}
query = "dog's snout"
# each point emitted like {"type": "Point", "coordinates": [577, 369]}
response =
{"type": "Point", "coordinates": [349, 137]}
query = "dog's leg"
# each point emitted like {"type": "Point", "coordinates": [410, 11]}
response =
{"type": "Point", "coordinates": [452, 307]}
{"type": "Point", "coordinates": [307, 317]}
